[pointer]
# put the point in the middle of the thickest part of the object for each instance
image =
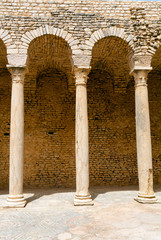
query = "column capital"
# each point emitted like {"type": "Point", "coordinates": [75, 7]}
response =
{"type": "Point", "coordinates": [141, 76]}
{"type": "Point", "coordinates": [81, 75]}
{"type": "Point", "coordinates": [17, 73]}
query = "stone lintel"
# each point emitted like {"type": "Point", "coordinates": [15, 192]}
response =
{"type": "Point", "coordinates": [17, 59]}
{"type": "Point", "coordinates": [81, 61]}
{"type": "Point", "coordinates": [141, 68]}
{"type": "Point", "coordinates": [142, 61]}
{"type": "Point", "coordinates": [16, 66]}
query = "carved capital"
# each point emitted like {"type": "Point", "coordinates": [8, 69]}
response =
{"type": "Point", "coordinates": [17, 73]}
{"type": "Point", "coordinates": [140, 77]}
{"type": "Point", "coordinates": [81, 76]}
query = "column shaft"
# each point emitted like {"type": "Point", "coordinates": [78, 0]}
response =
{"type": "Point", "coordinates": [82, 196]}
{"type": "Point", "coordinates": [143, 139]}
{"type": "Point", "coordinates": [16, 198]}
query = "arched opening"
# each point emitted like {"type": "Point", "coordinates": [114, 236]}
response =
{"type": "Point", "coordinates": [154, 89]}
{"type": "Point", "coordinates": [111, 106]}
{"type": "Point", "coordinates": [5, 99]}
{"type": "Point", "coordinates": [49, 115]}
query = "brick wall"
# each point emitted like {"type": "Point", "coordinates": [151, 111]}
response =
{"type": "Point", "coordinates": [154, 86]}
{"type": "Point", "coordinates": [50, 90]}
{"type": "Point", "coordinates": [5, 99]}
{"type": "Point", "coordinates": [50, 124]}
{"type": "Point", "coordinates": [49, 132]}
{"type": "Point", "coordinates": [111, 131]}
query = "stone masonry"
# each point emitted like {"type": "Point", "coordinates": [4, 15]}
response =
{"type": "Point", "coordinates": [49, 39]}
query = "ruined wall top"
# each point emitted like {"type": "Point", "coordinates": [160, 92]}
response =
{"type": "Point", "coordinates": [81, 24]}
{"type": "Point", "coordinates": [107, 8]}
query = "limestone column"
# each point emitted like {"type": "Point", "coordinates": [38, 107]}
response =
{"type": "Point", "coordinates": [16, 198]}
{"type": "Point", "coordinates": [82, 196]}
{"type": "Point", "coordinates": [143, 138]}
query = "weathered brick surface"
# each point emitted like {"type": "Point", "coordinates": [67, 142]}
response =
{"type": "Point", "coordinates": [5, 99]}
{"type": "Point", "coordinates": [111, 131]}
{"type": "Point", "coordinates": [55, 35]}
{"type": "Point", "coordinates": [155, 113]}
{"type": "Point", "coordinates": [49, 132]}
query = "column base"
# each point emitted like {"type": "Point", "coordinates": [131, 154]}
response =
{"type": "Point", "coordinates": [149, 199]}
{"type": "Point", "coordinates": [17, 201]}
{"type": "Point", "coordinates": [83, 200]}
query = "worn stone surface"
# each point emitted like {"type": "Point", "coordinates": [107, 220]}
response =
{"type": "Point", "coordinates": [16, 197]}
{"type": "Point", "coordinates": [143, 135]}
{"type": "Point", "coordinates": [50, 214]}
{"type": "Point", "coordinates": [82, 195]}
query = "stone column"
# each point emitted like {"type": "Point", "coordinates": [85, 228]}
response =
{"type": "Point", "coordinates": [82, 196]}
{"type": "Point", "coordinates": [16, 198]}
{"type": "Point", "coordinates": [143, 138]}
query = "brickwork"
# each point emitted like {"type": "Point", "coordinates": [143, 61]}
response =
{"type": "Point", "coordinates": [111, 131]}
{"type": "Point", "coordinates": [49, 132]}
{"type": "Point", "coordinates": [50, 38]}
{"type": "Point", "coordinates": [80, 19]}
{"type": "Point", "coordinates": [154, 83]}
{"type": "Point", "coordinates": [5, 102]}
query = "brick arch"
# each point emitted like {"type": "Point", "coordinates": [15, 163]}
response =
{"type": "Point", "coordinates": [152, 50]}
{"type": "Point", "coordinates": [7, 40]}
{"type": "Point", "coordinates": [119, 33]}
{"type": "Point", "coordinates": [5, 37]}
{"type": "Point", "coordinates": [155, 56]}
{"type": "Point", "coordinates": [108, 32]}
{"type": "Point", "coordinates": [31, 35]}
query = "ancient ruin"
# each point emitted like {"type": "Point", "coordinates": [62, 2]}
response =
{"type": "Point", "coordinates": [74, 83]}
